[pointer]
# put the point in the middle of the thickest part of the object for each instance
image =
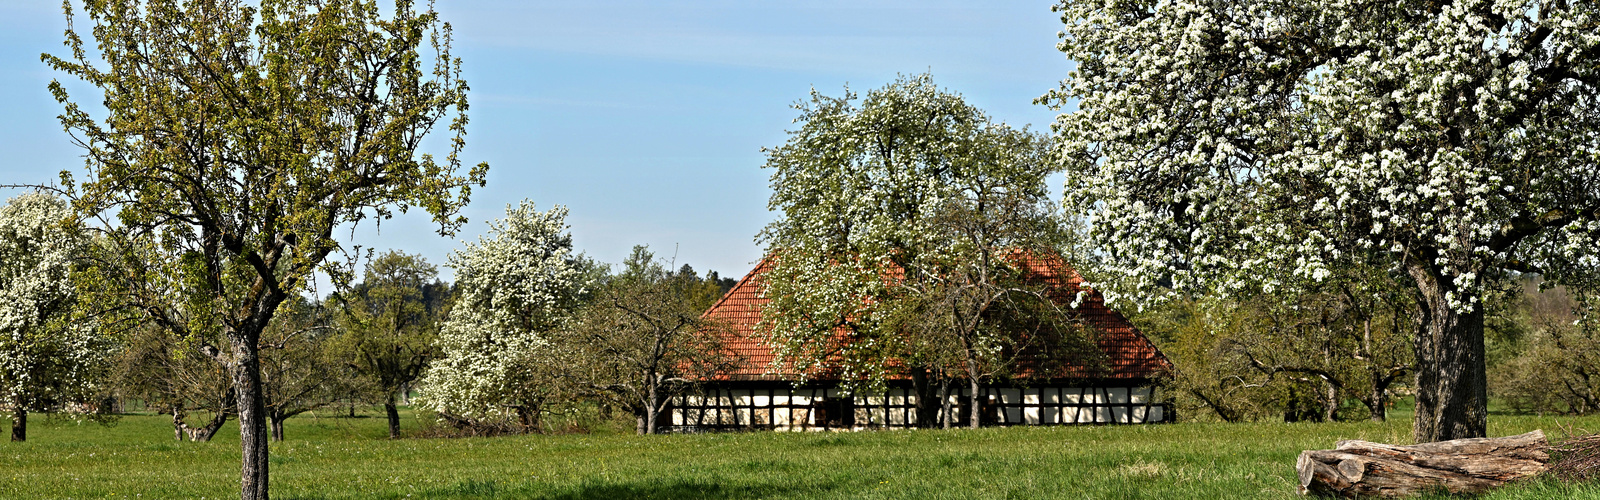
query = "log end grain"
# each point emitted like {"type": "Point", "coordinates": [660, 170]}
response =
{"type": "Point", "coordinates": [1365, 469]}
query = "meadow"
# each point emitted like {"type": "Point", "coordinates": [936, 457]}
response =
{"type": "Point", "coordinates": [328, 457]}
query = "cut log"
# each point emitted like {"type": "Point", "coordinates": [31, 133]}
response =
{"type": "Point", "coordinates": [1365, 469]}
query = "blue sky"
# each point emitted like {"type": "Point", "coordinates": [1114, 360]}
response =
{"type": "Point", "coordinates": [645, 119]}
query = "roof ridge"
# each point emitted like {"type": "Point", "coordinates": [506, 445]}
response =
{"type": "Point", "coordinates": [736, 286]}
{"type": "Point", "coordinates": [1131, 353]}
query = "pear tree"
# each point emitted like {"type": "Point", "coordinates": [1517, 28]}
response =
{"type": "Point", "coordinates": [1267, 145]}
{"type": "Point", "coordinates": [230, 142]}
{"type": "Point", "coordinates": [513, 289]}
{"type": "Point", "coordinates": [51, 354]}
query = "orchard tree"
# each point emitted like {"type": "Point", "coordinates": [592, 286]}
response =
{"type": "Point", "coordinates": [1266, 144]}
{"type": "Point", "coordinates": [234, 138]}
{"type": "Point", "coordinates": [1349, 337]}
{"type": "Point", "coordinates": [51, 354]}
{"type": "Point", "coordinates": [1559, 354]}
{"type": "Point", "coordinates": [172, 376]}
{"type": "Point", "coordinates": [642, 339]}
{"type": "Point", "coordinates": [1210, 375]}
{"type": "Point", "coordinates": [300, 370]}
{"type": "Point", "coordinates": [514, 288]}
{"type": "Point", "coordinates": [390, 324]}
{"type": "Point", "coordinates": [908, 196]}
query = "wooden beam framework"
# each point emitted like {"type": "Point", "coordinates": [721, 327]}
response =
{"type": "Point", "coordinates": [780, 407]}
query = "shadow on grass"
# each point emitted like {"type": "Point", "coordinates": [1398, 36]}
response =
{"type": "Point", "coordinates": [613, 490]}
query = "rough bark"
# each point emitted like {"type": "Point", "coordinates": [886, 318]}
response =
{"type": "Point", "coordinates": [1464, 466]}
{"type": "Point", "coordinates": [1330, 401]}
{"type": "Point", "coordinates": [202, 434]}
{"type": "Point", "coordinates": [648, 426]}
{"type": "Point", "coordinates": [276, 421]}
{"type": "Point", "coordinates": [1375, 404]}
{"type": "Point", "coordinates": [19, 424]}
{"type": "Point", "coordinates": [1452, 378]}
{"type": "Point", "coordinates": [975, 417]}
{"type": "Point", "coordinates": [945, 403]}
{"type": "Point", "coordinates": [252, 417]}
{"type": "Point", "coordinates": [393, 412]}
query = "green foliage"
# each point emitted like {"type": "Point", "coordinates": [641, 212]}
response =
{"type": "Point", "coordinates": [236, 136]}
{"type": "Point", "coordinates": [642, 340]}
{"type": "Point", "coordinates": [1209, 381]}
{"type": "Point", "coordinates": [300, 368]}
{"type": "Point", "coordinates": [1552, 366]}
{"type": "Point", "coordinates": [906, 196]}
{"type": "Point", "coordinates": [171, 375]}
{"type": "Point", "coordinates": [389, 324]}
{"type": "Point", "coordinates": [1337, 352]}
{"type": "Point", "coordinates": [703, 292]}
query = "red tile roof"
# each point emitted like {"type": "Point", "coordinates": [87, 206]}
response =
{"type": "Point", "coordinates": [1128, 353]}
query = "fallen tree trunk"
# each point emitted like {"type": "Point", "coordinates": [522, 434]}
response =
{"type": "Point", "coordinates": [1360, 468]}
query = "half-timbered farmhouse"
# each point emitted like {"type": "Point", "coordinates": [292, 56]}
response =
{"type": "Point", "coordinates": [757, 396]}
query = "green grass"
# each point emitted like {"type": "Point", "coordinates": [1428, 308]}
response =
{"type": "Point", "coordinates": [348, 458]}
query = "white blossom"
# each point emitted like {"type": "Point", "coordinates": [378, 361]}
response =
{"type": "Point", "coordinates": [512, 288]}
{"type": "Point", "coordinates": [1259, 144]}
{"type": "Point", "coordinates": [47, 354]}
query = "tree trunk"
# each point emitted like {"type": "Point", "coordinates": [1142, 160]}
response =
{"type": "Point", "coordinates": [1228, 415]}
{"type": "Point", "coordinates": [252, 417]}
{"type": "Point", "coordinates": [1452, 379]}
{"type": "Point", "coordinates": [19, 424]}
{"type": "Point", "coordinates": [276, 421]}
{"type": "Point", "coordinates": [1301, 401]}
{"type": "Point", "coordinates": [1377, 404]}
{"type": "Point", "coordinates": [393, 413]}
{"type": "Point", "coordinates": [1331, 408]}
{"type": "Point", "coordinates": [944, 402]}
{"type": "Point", "coordinates": [204, 434]}
{"type": "Point", "coordinates": [528, 417]}
{"type": "Point", "coordinates": [1375, 410]}
{"type": "Point", "coordinates": [1464, 466]}
{"type": "Point", "coordinates": [975, 417]}
{"type": "Point", "coordinates": [650, 410]}
{"type": "Point", "coordinates": [1375, 400]}
{"type": "Point", "coordinates": [927, 409]}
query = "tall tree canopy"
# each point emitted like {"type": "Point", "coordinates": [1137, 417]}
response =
{"type": "Point", "coordinates": [390, 326]}
{"type": "Point", "coordinates": [512, 289]}
{"type": "Point", "coordinates": [906, 196]}
{"type": "Point", "coordinates": [1268, 144]}
{"type": "Point", "coordinates": [236, 136]}
{"type": "Point", "coordinates": [50, 354]}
